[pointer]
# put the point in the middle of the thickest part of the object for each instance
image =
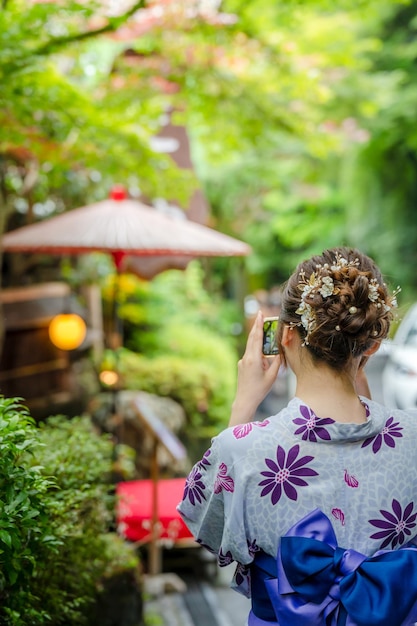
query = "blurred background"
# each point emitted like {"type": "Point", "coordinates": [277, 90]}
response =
{"type": "Point", "coordinates": [276, 129]}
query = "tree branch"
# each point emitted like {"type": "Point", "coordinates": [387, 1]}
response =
{"type": "Point", "coordinates": [112, 25]}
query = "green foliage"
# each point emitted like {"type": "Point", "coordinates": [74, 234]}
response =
{"type": "Point", "coordinates": [282, 191]}
{"type": "Point", "coordinates": [181, 344]}
{"type": "Point", "coordinates": [56, 510]}
{"type": "Point", "coordinates": [60, 138]}
{"type": "Point", "coordinates": [202, 382]}
{"type": "Point", "coordinates": [173, 297]}
{"type": "Point", "coordinates": [301, 116]}
{"type": "Point", "coordinates": [273, 100]}
{"type": "Point", "coordinates": [81, 510]}
{"type": "Point", "coordinates": [27, 532]}
{"type": "Point", "coordinates": [80, 462]}
{"type": "Point", "coordinates": [380, 177]}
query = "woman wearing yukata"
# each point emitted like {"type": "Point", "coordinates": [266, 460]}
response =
{"type": "Point", "coordinates": [317, 505]}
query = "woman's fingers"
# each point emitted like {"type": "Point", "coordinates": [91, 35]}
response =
{"type": "Point", "coordinates": [256, 375]}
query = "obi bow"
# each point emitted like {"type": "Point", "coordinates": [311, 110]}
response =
{"type": "Point", "coordinates": [317, 583]}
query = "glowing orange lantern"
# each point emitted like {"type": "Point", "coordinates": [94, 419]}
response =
{"type": "Point", "coordinates": [108, 378]}
{"type": "Point", "coordinates": [67, 331]}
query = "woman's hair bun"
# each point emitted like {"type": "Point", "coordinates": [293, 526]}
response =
{"type": "Point", "coordinates": [339, 303]}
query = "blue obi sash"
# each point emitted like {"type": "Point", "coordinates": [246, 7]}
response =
{"type": "Point", "coordinates": [313, 582]}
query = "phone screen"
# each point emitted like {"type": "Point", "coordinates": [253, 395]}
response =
{"type": "Point", "coordinates": [269, 344]}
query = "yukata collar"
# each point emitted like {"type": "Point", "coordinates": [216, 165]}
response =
{"type": "Point", "coordinates": [307, 426]}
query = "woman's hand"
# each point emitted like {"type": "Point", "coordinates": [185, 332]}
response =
{"type": "Point", "coordinates": [256, 375]}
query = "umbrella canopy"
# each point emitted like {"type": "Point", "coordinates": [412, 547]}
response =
{"type": "Point", "coordinates": [122, 227]}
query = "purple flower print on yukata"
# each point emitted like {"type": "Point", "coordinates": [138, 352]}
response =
{"type": "Point", "coordinates": [351, 480]}
{"type": "Point", "coordinates": [205, 463]}
{"type": "Point", "coordinates": [224, 559]}
{"type": "Point", "coordinates": [243, 430]}
{"type": "Point", "coordinates": [311, 426]}
{"type": "Point", "coordinates": [253, 548]}
{"type": "Point", "coordinates": [241, 574]}
{"type": "Point", "coordinates": [387, 434]}
{"type": "Point", "coordinates": [194, 487]}
{"type": "Point", "coordinates": [284, 473]}
{"type": "Point", "coordinates": [223, 481]}
{"type": "Point", "coordinates": [339, 515]}
{"type": "Point", "coordinates": [396, 525]}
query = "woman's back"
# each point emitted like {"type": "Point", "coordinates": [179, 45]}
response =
{"type": "Point", "coordinates": [263, 477]}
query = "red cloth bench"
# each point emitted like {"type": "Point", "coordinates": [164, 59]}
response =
{"type": "Point", "coordinates": [135, 506]}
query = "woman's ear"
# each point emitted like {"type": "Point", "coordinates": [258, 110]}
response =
{"type": "Point", "coordinates": [287, 335]}
{"type": "Point", "coordinates": [374, 348]}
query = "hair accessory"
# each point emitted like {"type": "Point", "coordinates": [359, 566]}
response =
{"type": "Point", "coordinates": [374, 295]}
{"type": "Point", "coordinates": [321, 284]}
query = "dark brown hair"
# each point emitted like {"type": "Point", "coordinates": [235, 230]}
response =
{"type": "Point", "coordinates": [346, 322]}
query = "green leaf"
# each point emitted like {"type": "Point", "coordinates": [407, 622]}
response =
{"type": "Point", "coordinates": [5, 538]}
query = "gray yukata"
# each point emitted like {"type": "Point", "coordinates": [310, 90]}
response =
{"type": "Point", "coordinates": [258, 479]}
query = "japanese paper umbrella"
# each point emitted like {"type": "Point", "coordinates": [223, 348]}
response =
{"type": "Point", "coordinates": [128, 230]}
{"type": "Point", "coordinates": [122, 227]}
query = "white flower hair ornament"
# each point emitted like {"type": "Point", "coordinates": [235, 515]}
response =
{"type": "Point", "coordinates": [320, 282]}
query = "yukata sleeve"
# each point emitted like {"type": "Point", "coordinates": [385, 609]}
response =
{"type": "Point", "coordinates": [201, 508]}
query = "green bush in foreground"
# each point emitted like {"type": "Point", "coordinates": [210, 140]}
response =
{"type": "Point", "coordinates": [55, 513]}
{"type": "Point", "coordinates": [27, 532]}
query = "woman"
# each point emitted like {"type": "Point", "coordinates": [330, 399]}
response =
{"type": "Point", "coordinates": [306, 500]}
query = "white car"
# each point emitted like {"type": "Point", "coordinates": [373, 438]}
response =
{"type": "Point", "coordinates": [399, 377]}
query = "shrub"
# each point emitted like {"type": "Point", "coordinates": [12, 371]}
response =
{"type": "Point", "coordinates": [197, 369]}
{"type": "Point", "coordinates": [55, 515]}
{"type": "Point", "coordinates": [81, 510]}
{"type": "Point", "coordinates": [28, 535]}
{"type": "Point", "coordinates": [181, 342]}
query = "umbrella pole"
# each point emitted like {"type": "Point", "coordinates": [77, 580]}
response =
{"type": "Point", "coordinates": [116, 334]}
{"type": "Point", "coordinates": [155, 564]}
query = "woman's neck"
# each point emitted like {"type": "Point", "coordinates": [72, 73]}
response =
{"type": "Point", "coordinates": [330, 394]}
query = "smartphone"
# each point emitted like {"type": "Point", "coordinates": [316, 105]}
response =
{"type": "Point", "coordinates": [269, 343]}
